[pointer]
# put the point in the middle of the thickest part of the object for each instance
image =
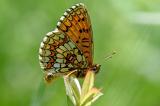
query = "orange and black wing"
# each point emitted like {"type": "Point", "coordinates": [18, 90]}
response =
{"type": "Point", "coordinates": [76, 24]}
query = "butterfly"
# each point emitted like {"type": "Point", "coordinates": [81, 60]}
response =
{"type": "Point", "coordinates": [69, 47]}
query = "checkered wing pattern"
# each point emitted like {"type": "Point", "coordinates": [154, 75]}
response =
{"type": "Point", "coordinates": [69, 46]}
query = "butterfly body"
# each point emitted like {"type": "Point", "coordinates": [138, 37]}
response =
{"type": "Point", "coordinates": [69, 47]}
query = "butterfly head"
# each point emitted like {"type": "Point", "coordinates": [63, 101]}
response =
{"type": "Point", "coordinates": [95, 68]}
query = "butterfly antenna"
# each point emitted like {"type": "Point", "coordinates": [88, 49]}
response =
{"type": "Point", "coordinates": [110, 55]}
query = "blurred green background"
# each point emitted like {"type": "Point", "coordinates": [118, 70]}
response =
{"type": "Point", "coordinates": [130, 27]}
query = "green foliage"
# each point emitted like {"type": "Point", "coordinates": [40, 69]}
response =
{"type": "Point", "coordinates": [130, 27]}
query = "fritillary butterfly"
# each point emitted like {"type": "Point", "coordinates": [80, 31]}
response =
{"type": "Point", "coordinates": [69, 47]}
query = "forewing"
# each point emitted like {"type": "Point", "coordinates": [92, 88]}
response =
{"type": "Point", "coordinates": [76, 24]}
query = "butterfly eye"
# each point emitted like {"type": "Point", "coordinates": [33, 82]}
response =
{"type": "Point", "coordinates": [94, 68]}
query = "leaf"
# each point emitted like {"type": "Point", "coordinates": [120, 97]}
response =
{"type": "Point", "coordinates": [78, 96]}
{"type": "Point", "coordinates": [69, 102]}
{"type": "Point", "coordinates": [88, 83]}
{"type": "Point", "coordinates": [73, 89]}
{"type": "Point", "coordinates": [69, 91]}
{"type": "Point", "coordinates": [91, 96]}
{"type": "Point", "coordinates": [76, 88]}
